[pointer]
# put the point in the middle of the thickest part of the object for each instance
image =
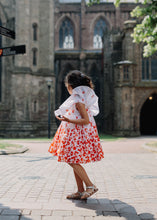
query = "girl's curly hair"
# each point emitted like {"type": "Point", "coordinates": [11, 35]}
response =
{"type": "Point", "coordinates": [76, 78]}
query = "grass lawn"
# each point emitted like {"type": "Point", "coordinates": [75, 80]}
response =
{"type": "Point", "coordinates": [152, 144]}
{"type": "Point", "coordinates": [9, 146]}
{"type": "Point", "coordinates": [27, 139]}
{"type": "Point", "coordinates": [106, 137]}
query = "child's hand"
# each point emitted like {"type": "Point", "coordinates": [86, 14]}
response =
{"type": "Point", "coordinates": [63, 118]}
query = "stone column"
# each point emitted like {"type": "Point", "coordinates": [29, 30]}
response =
{"type": "Point", "coordinates": [46, 49]}
{"type": "Point", "coordinates": [51, 61]}
{"type": "Point", "coordinates": [46, 35]}
{"type": "Point", "coordinates": [51, 36]}
{"type": "Point", "coordinates": [118, 18]}
{"type": "Point", "coordinates": [22, 29]}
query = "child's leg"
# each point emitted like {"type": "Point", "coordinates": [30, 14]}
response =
{"type": "Point", "coordinates": [80, 187]}
{"type": "Point", "coordinates": [80, 171]}
{"type": "Point", "coordinates": [79, 182]}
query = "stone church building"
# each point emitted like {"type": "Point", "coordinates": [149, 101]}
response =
{"type": "Point", "coordinates": [125, 82]}
{"type": "Point", "coordinates": [62, 35]}
{"type": "Point", "coordinates": [130, 85]}
{"type": "Point", "coordinates": [24, 78]}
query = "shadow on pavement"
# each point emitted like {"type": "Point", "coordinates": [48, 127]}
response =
{"type": "Point", "coordinates": [6, 213]}
{"type": "Point", "coordinates": [115, 208]}
{"type": "Point", "coordinates": [35, 158]}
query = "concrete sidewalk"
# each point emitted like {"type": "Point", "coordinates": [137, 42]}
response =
{"type": "Point", "coordinates": [34, 186]}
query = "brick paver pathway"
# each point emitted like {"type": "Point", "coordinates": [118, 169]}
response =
{"type": "Point", "coordinates": [34, 185]}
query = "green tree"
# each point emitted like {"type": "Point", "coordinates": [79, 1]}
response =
{"type": "Point", "coordinates": [146, 29]}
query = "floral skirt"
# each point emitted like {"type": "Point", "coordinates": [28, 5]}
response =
{"type": "Point", "coordinates": [76, 143]}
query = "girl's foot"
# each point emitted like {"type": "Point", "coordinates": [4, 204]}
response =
{"type": "Point", "coordinates": [76, 195]}
{"type": "Point", "coordinates": [90, 190]}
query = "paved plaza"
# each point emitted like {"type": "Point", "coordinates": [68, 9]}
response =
{"type": "Point", "coordinates": [33, 185]}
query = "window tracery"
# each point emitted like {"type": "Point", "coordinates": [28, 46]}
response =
{"type": "Point", "coordinates": [149, 68]}
{"type": "Point", "coordinates": [99, 30]}
{"type": "Point", "coordinates": [66, 35]}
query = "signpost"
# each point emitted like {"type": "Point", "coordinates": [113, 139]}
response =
{"type": "Point", "coordinates": [7, 51]}
{"type": "Point", "coordinates": [7, 33]}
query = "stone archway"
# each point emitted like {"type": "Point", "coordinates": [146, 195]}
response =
{"type": "Point", "coordinates": [148, 116]}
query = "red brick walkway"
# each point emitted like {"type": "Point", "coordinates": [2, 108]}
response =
{"type": "Point", "coordinates": [34, 185]}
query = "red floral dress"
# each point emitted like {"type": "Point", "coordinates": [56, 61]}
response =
{"type": "Point", "coordinates": [75, 143]}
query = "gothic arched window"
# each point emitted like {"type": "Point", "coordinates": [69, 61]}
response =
{"type": "Point", "coordinates": [35, 27]}
{"type": "Point", "coordinates": [66, 35]}
{"type": "Point", "coordinates": [0, 66]}
{"type": "Point", "coordinates": [149, 68]}
{"type": "Point", "coordinates": [99, 30]}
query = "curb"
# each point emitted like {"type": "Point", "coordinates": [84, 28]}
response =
{"type": "Point", "coordinates": [14, 151]}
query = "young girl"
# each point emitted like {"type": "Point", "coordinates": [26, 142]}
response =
{"type": "Point", "coordinates": [76, 140]}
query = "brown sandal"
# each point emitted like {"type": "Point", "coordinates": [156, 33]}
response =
{"type": "Point", "coordinates": [76, 195]}
{"type": "Point", "coordinates": [86, 194]}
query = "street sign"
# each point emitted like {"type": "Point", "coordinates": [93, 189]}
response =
{"type": "Point", "coordinates": [6, 32]}
{"type": "Point", "coordinates": [7, 51]}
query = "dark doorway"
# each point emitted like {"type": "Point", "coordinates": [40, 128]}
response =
{"type": "Point", "coordinates": [61, 91]}
{"type": "Point", "coordinates": [148, 116]}
{"type": "Point", "coordinates": [95, 75]}
{"type": "Point", "coordinates": [64, 91]}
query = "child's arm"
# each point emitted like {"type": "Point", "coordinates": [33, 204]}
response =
{"type": "Point", "coordinates": [82, 110]}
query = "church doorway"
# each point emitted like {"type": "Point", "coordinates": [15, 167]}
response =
{"type": "Point", "coordinates": [148, 116]}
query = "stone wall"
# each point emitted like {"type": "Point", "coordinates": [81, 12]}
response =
{"type": "Point", "coordinates": [24, 106]}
